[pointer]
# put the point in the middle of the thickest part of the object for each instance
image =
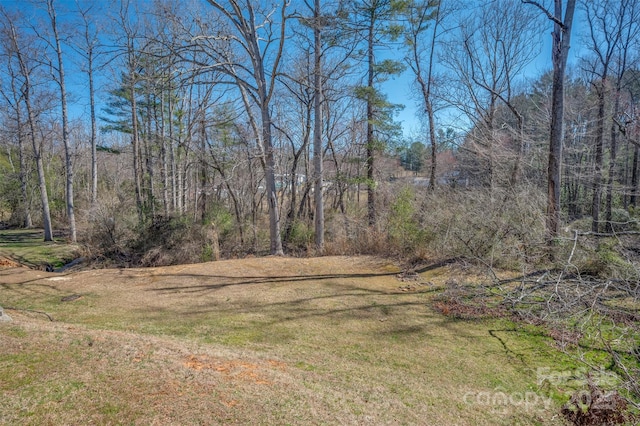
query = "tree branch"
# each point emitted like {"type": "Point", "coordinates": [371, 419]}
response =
{"type": "Point", "coordinates": [546, 12]}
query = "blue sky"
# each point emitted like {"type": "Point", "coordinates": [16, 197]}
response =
{"type": "Point", "coordinates": [399, 89]}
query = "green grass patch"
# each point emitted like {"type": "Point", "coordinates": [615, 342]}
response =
{"type": "Point", "coordinates": [26, 246]}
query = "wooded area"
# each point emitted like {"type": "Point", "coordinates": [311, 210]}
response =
{"type": "Point", "coordinates": [220, 120]}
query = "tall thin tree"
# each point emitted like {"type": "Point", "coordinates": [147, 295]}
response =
{"type": "Point", "coordinates": [263, 71]}
{"type": "Point", "coordinates": [60, 79]}
{"type": "Point", "coordinates": [22, 50]}
{"type": "Point", "coordinates": [562, 19]}
{"type": "Point", "coordinates": [88, 47]}
{"type": "Point", "coordinates": [317, 127]}
{"type": "Point", "coordinates": [421, 16]}
{"type": "Point", "coordinates": [374, 21]}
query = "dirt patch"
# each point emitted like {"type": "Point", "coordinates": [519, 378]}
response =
{"type": "Point", "coordinates": [235, 369]}
{"type": "Point", "coordinates": [8, 263]}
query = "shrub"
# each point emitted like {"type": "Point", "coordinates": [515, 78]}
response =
{"type": "Point", "coordinates": [301, 236]}
{"type": "Point", "coordinates": [173, 241]}
{"type": "Point", "coordinates": [499, 228]}
{"type": "Point", "coordinates": [109, 229]}
{"type": "Point", "coordinates": [405, 231]}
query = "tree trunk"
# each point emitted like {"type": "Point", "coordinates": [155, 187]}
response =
{"type": "Point", "coordinates": [242, 16]}
{"type": "Point", "coordinates": [317, 132]}
{"type": "Point", "coordinates": [172, 156]}
{"type": "Point", "coordinates": [202, 198]}
{"type": "Point", "coordinates": [434, 146]}
{"type": "Point", "coordinates": [94, 129]}
{"type": "Point", "coordinates": [71, 217]}
{"type": "Point", "coordinates": [561, 37]}
{"type": "Point", "coordinates": [425, 87]}
{"type": "Point", "coordinates": [597, 172]}
{"type": "Point", "coordinates": [164, 171]}
{"type": "Point", "coordinates": [90, 40]}
{"type": "Point", "coordinates": [272, 197]}
{"type": "Point", "coordinates": [135, 140]}
{"type": "Point", "coordinates": [148, 181]}
{"type": "Point", "coordinates": [42, 182]}
{"type": "Point", "coordinates": [25, 212]}
{"type": "Point", "coordinates": [27, 89]}
{"type": "Point", "coordinates": [634, 176]}
{"type": "Point", "coordinates": [371, 202]}
{"type": "Point", "coordinates": [25, 204]}
{"type": "Point", "coordinates": [611, 178]}
{"type": "Point", "coordinates": [517, 163]}
{"type": "Point", "coordinates": [94, 137]}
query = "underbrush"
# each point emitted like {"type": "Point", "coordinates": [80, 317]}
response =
{"type": "Point", "coordinates": [172, 241]}
{"type": "Point", "coordinates": [593, 315]}
{"type": "Point", "coordinates": [500, 229]}
{"type": "Point", "coordinates": [114, 237]}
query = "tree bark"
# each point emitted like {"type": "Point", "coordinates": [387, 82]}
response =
{"type": "Point", "coordinates": [68, 154]}
{"type": "Point", "coordinates": [25, 210]}
{"type": "Point", "coordinates": [90, 57]}
{"type": "Point", "coordinates": [561, 37]}
{"type": "Point", "coordinates": [317, 132]}
{"type": "Point", "coordinates": [634, 176]}
{"type": "Point", "coordinates": [611, 177]}
{"type": "Point", "coordinates": [135, 140]}
{"type": "Point", "coordinates": [242, 16]}
{"type": "Point", "coordinates": [415, 62]}
{"type": "Point", "coordinates": [597, 170]}
{"type": "Point", "coordinates": [27, 90]}
{"type": "Point", "coordinates": [27, 222]}
{"type": "Point", "coordinates": [370, 142]}
{"type": "Point", "coordinates": [164, 171]}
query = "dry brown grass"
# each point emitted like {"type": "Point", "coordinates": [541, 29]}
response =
{"type": "Point", "coordinates": [333, 340]}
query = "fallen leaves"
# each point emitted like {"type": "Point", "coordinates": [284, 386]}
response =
{"type": "Point", "coordinates": [8, 263]}
{"type": "Point", "coordinates": [235, 369]}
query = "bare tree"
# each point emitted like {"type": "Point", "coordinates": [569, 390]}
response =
{"type": "Point", "coordinates": [88, 47]}
{"type": "Point", "coordinates": [421, 16]}
{"type": "Point", "coordinates": [296, 127]}
{"type": "Point", "coordinates": [317, 126]}
{"type": "Point", "coordinates": [14, 101]}
{"type": "Point", "coordinates": [623, 65]}
{"type": "Point", "coordinates": [499, 49]}
{"type": "Point", "coordinates": [263, 71]}
{"type": "Point", "coordinates": [604, 43]}
{"type": "Point", "coordinates": [58, 70]}
{"type": "Point", "coordinates": [562, 19]}
{"type": "Point", "coordinates": [24, 50]}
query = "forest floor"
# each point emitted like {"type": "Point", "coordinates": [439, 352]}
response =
{"type": "Point", "coordinates": [331, 340]}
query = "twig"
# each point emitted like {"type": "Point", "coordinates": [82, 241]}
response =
{"type": "Point", "coordinates": [11, 308]}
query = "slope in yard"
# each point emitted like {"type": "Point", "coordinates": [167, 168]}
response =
{"type": "Point", "coordinates": [334, 340]}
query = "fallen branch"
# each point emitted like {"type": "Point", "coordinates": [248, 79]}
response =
{"type": "Point", "coordinates": [29, 310]}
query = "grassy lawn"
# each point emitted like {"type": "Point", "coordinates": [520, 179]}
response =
{"type": "Point", "coordinates": [26, 246]}
{"type": "Point", "coordinates": [333, 340]}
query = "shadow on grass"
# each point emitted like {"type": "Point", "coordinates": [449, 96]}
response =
{"type": "Point", "coordinates": [255, 280]}
{"type": "Point", "coordinates": [339, 301]}
{"type": "Point", "coordinates": [27, 237]}
{"type": "Point", "coordinates": [28, 248]}
{"type": "Point", "coordinates": [24, 237]}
